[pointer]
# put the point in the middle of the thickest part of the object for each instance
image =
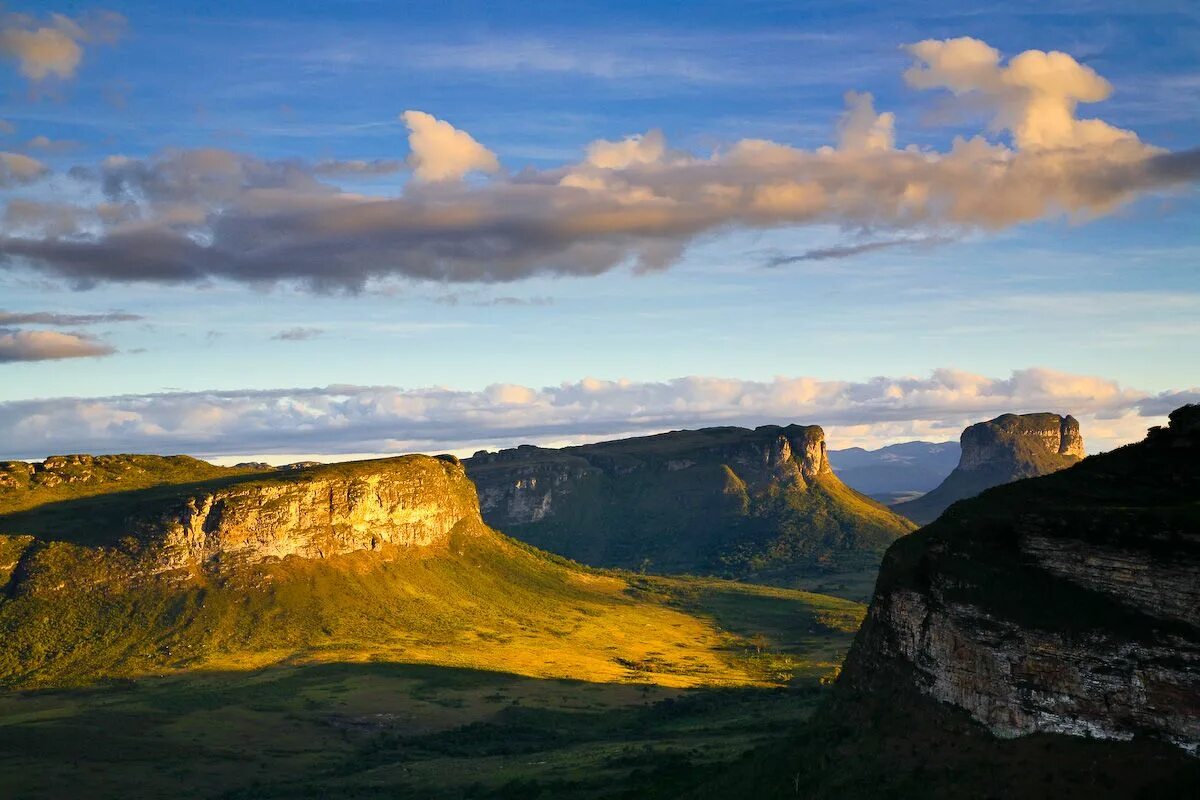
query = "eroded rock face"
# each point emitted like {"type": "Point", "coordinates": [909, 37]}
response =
{"type": "Point", "coordinates": [413, 501]}
{"type": "Point", "coordinates": [1067, 604]}
{"type": "Point", "coordinates": [1008, 440]}
{"type": "Point", "coordinates": [527, 484]}
{"type": "Point", "coordinates": [214, 525]}
{"type": "Point", "coordinates": [729, 501]}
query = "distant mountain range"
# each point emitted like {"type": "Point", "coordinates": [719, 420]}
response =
{"type": "Point", "coordinates": [897, 472]}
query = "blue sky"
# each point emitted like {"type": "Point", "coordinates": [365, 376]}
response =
{"type": "Point", "coordinates": [1113, 296]}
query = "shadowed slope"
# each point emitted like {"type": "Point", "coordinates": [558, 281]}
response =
{"type": "Point", "coordinates": [759, 504]}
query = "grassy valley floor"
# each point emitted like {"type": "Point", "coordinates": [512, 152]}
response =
{"type": "Point", "coordinates": [385, 729]}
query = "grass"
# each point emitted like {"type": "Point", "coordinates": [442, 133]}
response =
{"type": "Point", "coordinates": [64, 478]}
{"type": "Point", "coordinates": [680, 673]}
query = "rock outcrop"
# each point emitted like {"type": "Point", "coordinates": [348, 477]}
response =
{"type": "Point", "coordinates": [1005, 449]}
{"type": "Point", "coordinates": [413, 501]}
{"type": "Point", "coordinates": [1067, 604]}
{"type": "Point", "coordinates": [234, 520]}
{"type": "Point", "coordinates": [726, 500]}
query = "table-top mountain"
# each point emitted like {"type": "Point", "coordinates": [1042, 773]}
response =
{"type": "Point", "coordinates": [759, 503]}
{"type": "Point", "coordinates": [1005, 449]}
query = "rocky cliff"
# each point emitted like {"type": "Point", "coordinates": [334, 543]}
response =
{"type": "Point", "coordinates": [1005, 449]}
{"type": "Point", "coordinates": [413, 501]}
{"type": "Point", "coordinates": [727, 500]}
{"type": "Point", "coordinates": [237, 519]}
{"type": "Point", "coordinates": [1068, 604]}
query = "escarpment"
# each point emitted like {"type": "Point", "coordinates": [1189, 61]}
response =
{"type": "Point", "coordinates": [414, 501]}
{"type": "Point", "coordinates": [1005, 449]}
{"type": "Point", "coordinates": [1066, 604]}
{"type": "Point", "coordinates": [725, 500]}
{"type": "Point", "coordinates": [240, 519]}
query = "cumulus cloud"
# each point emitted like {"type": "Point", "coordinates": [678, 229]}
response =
{"type": "Point", "coordinates": [54, 46]}
{"type": "Point", "coordinates": [861, 129]}
{"type": "Point", "coordinates": [441, 152]}
{"type": "Point", "coordinates": [298, 334]}
{"type": "Point", "coordinates": [17, 169]}
{"type": "Point", "coordinates": [1034, 96]}
{"type": "Point", "coordinates": [202, 214]}
{"type": "Point", "coordinates": [382, 419]}
{"type": "Point", "coordinates": [17, 345]}
{"type": "Point", "coordinates": [63, 320]}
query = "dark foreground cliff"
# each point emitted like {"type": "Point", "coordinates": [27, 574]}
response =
{"type": "Point", "coordinates": [1039, 641]}
{"type": "Point", "coordinates": [759, 503]}
{"type": "Point", "coordinates": [1005, 449]}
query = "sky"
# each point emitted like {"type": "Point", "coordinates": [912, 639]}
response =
{"type": "Point", "coordinates": [282, 230]}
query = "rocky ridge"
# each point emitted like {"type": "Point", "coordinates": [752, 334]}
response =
{"type": "Point", "coordinates": [726, 500]}
{"type": "Point", "coordinates": [1067, 604]}
{"type": "Point", "coordinates": [410, 502]}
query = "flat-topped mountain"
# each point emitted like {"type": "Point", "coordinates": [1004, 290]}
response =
{"type": "Point", "coordinates": [199, 567]}
{"type": "Point", "coordinates": [1005, 449]}
{"type": "Point", "coordinates": [732, 501]}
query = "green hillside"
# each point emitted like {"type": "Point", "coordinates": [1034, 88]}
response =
{"type": "Point", "coordinates": [82, 598]}
{"type": "Point", "coordinates": [756, 505]}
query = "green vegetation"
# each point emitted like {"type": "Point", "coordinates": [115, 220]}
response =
{"type": "Point", "coordinates": [720, 501]}
{"type": "Point", "coordinates": [477, 666]}
{"type": "Point", "coordinates": [378, 730]}
{"type": "Point", "coordinates": [63, 478]}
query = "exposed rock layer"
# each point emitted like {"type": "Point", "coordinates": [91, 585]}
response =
{"type": "Point", "coordinates": [410, 502]}
{"type": "Point", "coordinates": [413, 501]}
{"type": "Point", "coordinates": [1066, 604]}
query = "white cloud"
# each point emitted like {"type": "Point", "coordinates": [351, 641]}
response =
{"type": "Point", "coordinates": [195, 215]}
{"type": "Point", "coordinates": [382, 419]}
{"type": "Point", "coordinates": [16, 169]}
{"type": "Point", "coordinates": [861, 129]}
{"type": "Point", "coordinates": [17, 345]}
{"type": "Point", "coordinates": [1034, 96]}
{"type": "Point", "coordinates": [441, 152]}
{"type": "Point", "coordinates": [54, 48]}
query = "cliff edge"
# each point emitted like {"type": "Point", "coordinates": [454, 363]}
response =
{"type": "Point", "coordinates": [1067, 604]}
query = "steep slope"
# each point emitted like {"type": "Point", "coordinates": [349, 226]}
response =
{"type": "Point", "coordinates": [384, 560]}
{"type": "Point", "coordinates": [1002, 450]}
{"type": "Point", "coordinates": [1068, 604]}
{"type": "Point", "coordinates": [1041, 640]}
{"type": "Point", "coordinates": [897, 472]}
{"type": "Point", "coordinates": [760, 503]}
